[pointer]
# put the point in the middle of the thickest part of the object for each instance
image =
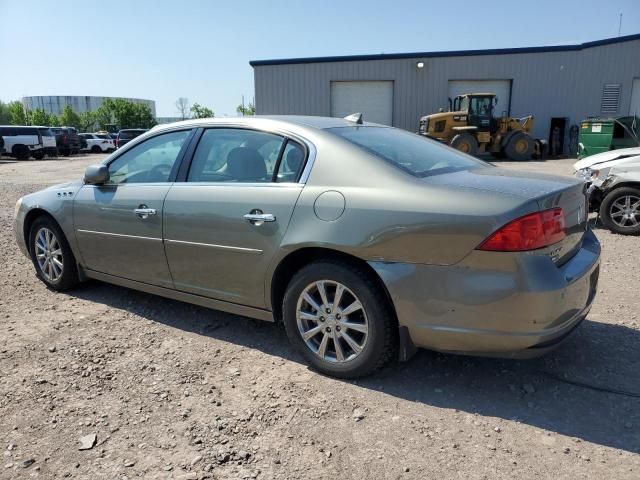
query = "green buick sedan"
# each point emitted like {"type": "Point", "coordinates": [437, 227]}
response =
{"type": "Point", "coordinates": [365, 241]}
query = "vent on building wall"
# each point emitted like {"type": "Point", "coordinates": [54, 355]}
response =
{"type": "Point", "coordinates": [610, 98]}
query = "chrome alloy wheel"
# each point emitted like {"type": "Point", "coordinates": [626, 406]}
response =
{"type": "Point", "coordinates": [332, 321]}
{"type": "Point", "coordinates": [625, 211]}
{"type": "Point", "coordinates": [49, 255]}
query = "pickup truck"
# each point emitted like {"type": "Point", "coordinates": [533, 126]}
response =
{"type": "Point", "coordinates": [67, 140]}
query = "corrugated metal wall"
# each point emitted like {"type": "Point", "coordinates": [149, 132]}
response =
{"type": "Point", "coordinates": [545, 84]}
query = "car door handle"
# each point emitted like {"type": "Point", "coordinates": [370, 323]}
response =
{"type": "Point", "coordinates": [259, 218]}
{"type": "Point", "coordinates": [144, 212]}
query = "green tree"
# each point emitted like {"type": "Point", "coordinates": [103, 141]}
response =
{"type": "Point", "coordinates": [125, 114]}
{"type": "Point", "coordinates": [5, 115]}
{"type": "Point", "coordinates": [40, 117]}
{"type": "Point", "coordinates": [69, 118]}
{"type": "Point", "coordinates": [200, 111]}
{"type": "Point", "coordinates": [17, 113]}
{"type": "Point", "coordinates": [244, 110]}
{"type": "Point", "coordinates": [87, 121]}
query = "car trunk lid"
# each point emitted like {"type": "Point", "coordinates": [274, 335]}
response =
{"type": "Point", "coordinates": [548, 191]}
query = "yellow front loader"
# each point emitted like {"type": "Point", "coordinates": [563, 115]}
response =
{"type": "Point", "coordinates": [471, 127]}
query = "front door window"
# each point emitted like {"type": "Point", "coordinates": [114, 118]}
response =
{"type": "Point", "coordinates": [151, 161]}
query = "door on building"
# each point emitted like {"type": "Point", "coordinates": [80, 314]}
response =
{"type": "Point", "coordinates": [374, 99]}
{"type": "Point", "coordinates": [634, 108]}
{"type": "Point", "coordinates": [502, 89]}
{"type": "Point", "coordinates": [557, 130]}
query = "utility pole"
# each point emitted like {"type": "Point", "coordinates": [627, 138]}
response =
{"type": "Point", "coordinates": [620, 25]}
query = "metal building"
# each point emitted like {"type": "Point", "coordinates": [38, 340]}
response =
{"type": "Point", "coordinates": [55, 104]}
{"type": "Point", "coordinates": [559, 85]}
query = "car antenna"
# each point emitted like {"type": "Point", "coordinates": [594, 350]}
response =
{"type": "Point", "coordinates": [354, 117]}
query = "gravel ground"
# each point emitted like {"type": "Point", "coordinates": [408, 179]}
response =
{"type": "Point", "coordinates": [175, 391]}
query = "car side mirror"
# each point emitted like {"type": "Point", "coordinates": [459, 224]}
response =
{"type": "Point", "coordinates": [96, 174]}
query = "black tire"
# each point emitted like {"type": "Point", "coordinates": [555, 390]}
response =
{"type": "Point", "coordinates": [21, 152]}
{"type": "Point", "coordinates": [520, 147]}
{"type": "Point", "coordinates": [96, 149]}
{"type": "Point", "coordinates": [38, 155]}
{"type": "Point", "coordinates": [466, 143]}
{"type": "Point", "coordinates": [380, 345]}
{"type": "Point", "coordinates": [68, 278]}
{"type": "Point", "coordinates": [613, 213]}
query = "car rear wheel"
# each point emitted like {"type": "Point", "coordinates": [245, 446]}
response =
{"type": "Point", "coordinates": [38, 155]}
{"type": "Point", "coordinates": [96, 149]}
{"type": "Point", "coordinates": [339, 319]}
{"type": "Point", "coordinates": [51, 255]}
{"type": "Point", "coordinates": [620, 211]}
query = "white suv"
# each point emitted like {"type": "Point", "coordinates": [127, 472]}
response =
{"type": "Point", "coordinates": [22, 142]}
{"type": "Point", "coordinates": [98, 142]}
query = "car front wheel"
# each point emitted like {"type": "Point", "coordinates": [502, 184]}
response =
{"type": "Point", "coordinates": [339, 319]}
{"type": "Point", "coordinates": [620, 211]}
{"type": "Point", "coordinates": [51, 255]}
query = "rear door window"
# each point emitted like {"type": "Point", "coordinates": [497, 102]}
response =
{"type": "Point", "coordinates": [245, 156]}
{"type": "Point", "coordinates": [235, 155]}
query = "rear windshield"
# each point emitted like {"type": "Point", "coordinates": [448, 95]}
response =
{"type": "Point", "coordinates": [45, 132]}
{"type": "Point", "coordinates": [129, 134]}
{"type": "Point", "coordinates": [415, 154]}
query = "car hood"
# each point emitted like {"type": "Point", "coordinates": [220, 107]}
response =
{"type": "Point", "coordinates": [608, 159]}
{"type": "Point", "coordinates": [514, 183]}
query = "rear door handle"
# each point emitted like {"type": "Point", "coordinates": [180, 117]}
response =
{"type": "Point", "coordinates": [144, 212]}
{"type": "Point", "coordinates": [259, 218]}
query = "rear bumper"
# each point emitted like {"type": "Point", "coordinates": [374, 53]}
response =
{"type": "Point", "coordinates": [496, 304]}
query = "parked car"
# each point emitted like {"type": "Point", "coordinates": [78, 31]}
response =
{"type": "Point", "coordinates": [98, 142]}
{"type": "Point", "coordinates": [613, 179]}
{"type": "Point", "coordinates": [22, 142]}
{"type": "Point", "coordinates": [48, 141]}
{"type": "Point", "coordinates": [126, 135]}
{"type": "Point", "coordinates": [67, 140]}
{"type": "Point", "coordinates": [364, 240]}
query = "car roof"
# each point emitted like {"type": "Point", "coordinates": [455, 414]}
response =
{"type": "Point", "coordinates": [320, 123]}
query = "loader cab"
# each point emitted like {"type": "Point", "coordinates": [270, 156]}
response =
{"type": "Point", "coordinates": [479, 107]}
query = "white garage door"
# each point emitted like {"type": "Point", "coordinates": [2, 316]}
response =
{"type": "Point", "coordinates": [502, 88]}
{"type": "Point", "coordinates": [373, 99]}
{"type": "Point", "coordinates": [634, 109]}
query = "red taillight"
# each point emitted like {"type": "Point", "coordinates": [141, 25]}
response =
{"type": "Point", "coordinates": [536, 230]}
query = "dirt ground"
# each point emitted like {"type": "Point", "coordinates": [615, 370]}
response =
{"type": "Point", "coordinates": [176, 391]}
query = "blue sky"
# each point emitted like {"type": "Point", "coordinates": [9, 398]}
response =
{"type": "Point", "coordinates": [200, 49]}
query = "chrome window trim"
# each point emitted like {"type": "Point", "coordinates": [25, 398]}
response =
{"type": "Point", "coordinates": [219, 247]}
{"type": "Point", "coordinates": [240, 184]}
{"type": "Point", "coordinates": [122, 235]}
{"type": "Point", "coordinates": [304, 177]}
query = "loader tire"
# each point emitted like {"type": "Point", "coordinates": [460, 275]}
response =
{"type": "Point", "coordinates": [520, 147]}
{"type": "Point", "coordinates": [466, 143]}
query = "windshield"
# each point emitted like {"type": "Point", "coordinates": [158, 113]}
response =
{"type": "Point", "coordinates": [412, 153]}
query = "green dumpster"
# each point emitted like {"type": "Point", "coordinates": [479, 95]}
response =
{"type": "Point", "coordinates": [599, 135]}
